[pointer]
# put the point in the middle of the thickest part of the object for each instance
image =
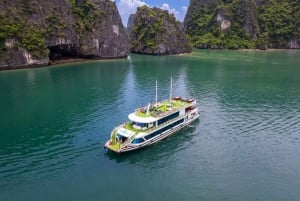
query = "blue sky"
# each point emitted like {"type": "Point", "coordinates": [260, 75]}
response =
{"type": "Point", "coordinates": [127, 7]}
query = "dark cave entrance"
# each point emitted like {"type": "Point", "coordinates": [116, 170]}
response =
{"type": "Point", "coordinates": [61, 52]}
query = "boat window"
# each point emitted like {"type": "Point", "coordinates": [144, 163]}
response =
{"type": "Point", "coordinates": [167, 118]}
{"type": "Point", "coordinates": [152, 135]}
{"type": "Point", "coordinates": [140, 124]}
{"type": "Point", "coordinates": [121, 138]}
{"type": "Point", "coordinates": [163, 129]}
{"type": "Point", "coordinates": [138, 140]}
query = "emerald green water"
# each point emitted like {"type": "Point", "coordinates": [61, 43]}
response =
{"type": "Point", "coordinates": [246, 146]}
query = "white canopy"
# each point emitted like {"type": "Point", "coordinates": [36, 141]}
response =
{"type": "Point", "coordinates": [133, 117]}
{"type": "Point", "coordinates": [125, 132]}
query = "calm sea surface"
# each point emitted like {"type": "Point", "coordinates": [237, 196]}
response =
{"type": "Point", "coordinates": [246, 146]}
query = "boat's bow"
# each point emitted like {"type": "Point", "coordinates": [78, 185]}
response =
{"type": "Point", "coordinates": [120, 138]}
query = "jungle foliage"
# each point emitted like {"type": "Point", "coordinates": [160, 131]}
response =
{"type": "Point", "coordinates": [254, 24]}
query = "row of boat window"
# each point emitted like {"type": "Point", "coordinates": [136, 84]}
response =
{"type": "Point", "coordinates": [140, 140]}
{"type": "Point", "coordinates": [160, 121]}
{"type": "Point", "coordinates": [167, 118]}
{"type": "Point", "coordinates": [140, 124]}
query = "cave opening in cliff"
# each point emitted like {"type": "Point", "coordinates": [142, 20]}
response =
{"type": "Point", "coordinates": [61, 52]}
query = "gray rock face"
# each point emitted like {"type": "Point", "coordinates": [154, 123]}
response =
{"type": "Point", "coordinates": [156, 32]}
{"type": "Point", "coordinates": [21, 58]}
{"type": "Point", "coordinates": [248, 11]}
{"type": "Point", "coordinates": [130, 21]}
{"type": "Point", "coordinates": [60, 29]}
{"type": "Point", "coordinates": [294, 44]}
{"type": "Point", "coordinates": [222, 19]}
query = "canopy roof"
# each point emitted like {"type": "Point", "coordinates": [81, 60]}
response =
{"type": "Point", "coordinates": [133, 117]}
{"type": "Point", "coordinates": [125, 132]}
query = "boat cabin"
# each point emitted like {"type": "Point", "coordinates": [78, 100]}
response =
{"type": "Point", "coordinates": [123, 134]}
{"type": "Point", "coordinates": [141, 123]}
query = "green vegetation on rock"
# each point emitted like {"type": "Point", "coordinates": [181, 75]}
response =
{"type": "Point", "coordinates": [238, 24]}
{"type": "Point", "coordinates": [27, 36]}
{"type": "Point", "coordinates": [280, 21]}
{"type": "Point", "coordinates": [55, 26]}
{"type": "Point", "coordinates": [154, 31]}
{"type": "Point", "coordinates": [88, 14]}
{"type": "Point", "coordinates": [34, 31]}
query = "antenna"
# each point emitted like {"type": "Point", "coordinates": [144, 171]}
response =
{"type": "Point", "coordinates": [171, 89]}
{"type": "Point", "coordinates": [148, 108]}
{"type": "Point", "coordinates": [156, 95]}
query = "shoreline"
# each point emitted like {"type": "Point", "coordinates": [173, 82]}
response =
{"type": "Point", "coordinates": [54, 63]}
{"type": "Point", "coordinates": [268, 50]}
{"type": "Point", "coordinates": [65, 61]}
{"type": "Point", "coordinates": [258, 50]}
{"type": "Point", "coordinates": [78, 60]}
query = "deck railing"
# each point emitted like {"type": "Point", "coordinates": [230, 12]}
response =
{"type": "Point", "coordinates": [178, 104]}
{"type": "Point", "coordinates": [152, 128]}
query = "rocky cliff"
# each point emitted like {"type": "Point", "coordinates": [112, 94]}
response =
{"type": "Point", "coordinates": [129, 23]}
{"type": "Point", "coordinates": [244, 23]}
{"type": "Point", "coordinates": [155, 31]}
{"type": "Point", "coordinates": [32, 32]}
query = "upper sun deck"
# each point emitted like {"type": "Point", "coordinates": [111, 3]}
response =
{"type": "Point", "coordinates": [155, 111]}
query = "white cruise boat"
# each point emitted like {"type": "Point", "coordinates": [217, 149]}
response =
{"type": "Point", "coordinates": [153, 123]}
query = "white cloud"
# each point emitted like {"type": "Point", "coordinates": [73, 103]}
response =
{"type": "Point", "coordinates": [128, 7]}
{"type": "Point", "coordinates": [166, 6]}
{"type": "Point", "coordinates": [184, 10]}
{"type": "Point", "coordinates": [178, 14]}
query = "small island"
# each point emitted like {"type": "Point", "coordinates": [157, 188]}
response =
{"type": "Point", "coordinates": [155, 31]}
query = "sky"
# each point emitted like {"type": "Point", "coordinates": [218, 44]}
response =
{"type": "Point", "coordinates": [127, 7]}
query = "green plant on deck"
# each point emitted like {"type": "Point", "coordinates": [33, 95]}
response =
{"type": "Point", "coordinates": [129, 126]}
{"type": "Point", "coordinates": [113, 136]}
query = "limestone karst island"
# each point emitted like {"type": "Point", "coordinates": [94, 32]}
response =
{"type": "Point", "coordinates": [38, 33]}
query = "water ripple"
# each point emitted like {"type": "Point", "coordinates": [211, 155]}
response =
{"type": "Point", "coordinates": [54, 123]}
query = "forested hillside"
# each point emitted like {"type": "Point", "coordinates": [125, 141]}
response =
{"type": "Point", "coordinates": [237, 24]}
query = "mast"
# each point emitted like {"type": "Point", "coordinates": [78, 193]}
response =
{"type": "Point", "coordinates": [156, 95]}
{"type": "Point", "coordinates": [171, 89]}
{"type": "Point", "coordinates": [148, 109]}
